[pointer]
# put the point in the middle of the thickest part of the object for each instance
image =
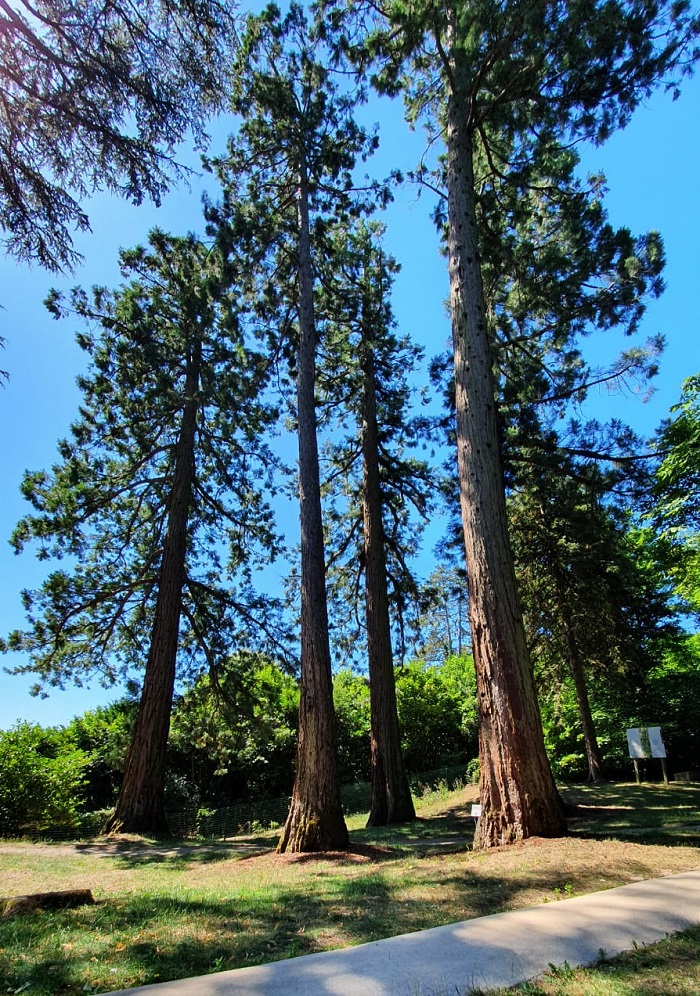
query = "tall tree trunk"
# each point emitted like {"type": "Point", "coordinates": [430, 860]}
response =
{"type": "Point", "coordinates": [315, 821]}
{"type": "Point", "coordinates": [518, 795]}
{"type": "Point", "coordinates": [391, 794]}
{"type": "Point", "coordinates": [140, 806]}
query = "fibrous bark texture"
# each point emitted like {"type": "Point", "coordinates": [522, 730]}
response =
{"type": "Point", "coordinates": [315, 821]}
{"type": "Point", "coordinates": [391, 794]}
{"type": "Point", "coordinates": [518, 795]}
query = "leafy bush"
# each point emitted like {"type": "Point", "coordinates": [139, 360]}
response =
{"type": "Point", "coordinates": [41, 778]}
{"type": "Point", "coordinates": [437, 716]}
{"type": "Point", "coordinates": [437, 712]}
{"type": "Point", "coordinates": [103, 734]}
{"type": "Point", "coordinates": [235, 741]}
{"type": "Point", "coordinates": [352, 714]}
{"type": "Point", "coordinates": [474, 771]}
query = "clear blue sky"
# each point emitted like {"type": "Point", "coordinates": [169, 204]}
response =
{"type": "Point", "coordinates": [652, 172]}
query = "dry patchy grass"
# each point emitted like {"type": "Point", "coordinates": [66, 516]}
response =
{"type": "Point", "coordinates": [168, 911]}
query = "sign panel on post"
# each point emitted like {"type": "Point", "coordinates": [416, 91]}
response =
{"type": "Point", "coordinates": [645, 741]}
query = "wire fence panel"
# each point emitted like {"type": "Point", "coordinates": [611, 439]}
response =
{"type": "Point", "coordinates": [240, 819]}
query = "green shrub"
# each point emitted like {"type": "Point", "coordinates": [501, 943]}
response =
{"type": "Point", "coordinates": [473, 773]}
{"type": "Point", "coordinates": [41, 778]}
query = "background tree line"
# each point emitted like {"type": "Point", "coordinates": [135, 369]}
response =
{"type": "Point", "coordinates": [219, 755]}
{"type": "Point", "coordinates": [225, 751]}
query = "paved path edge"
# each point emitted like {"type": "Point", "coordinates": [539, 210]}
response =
{"type": "Point", "coordinates": [503, 949]}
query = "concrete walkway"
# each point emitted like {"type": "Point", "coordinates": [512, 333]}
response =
{"type": "Point", "coordinates": [491, 951]}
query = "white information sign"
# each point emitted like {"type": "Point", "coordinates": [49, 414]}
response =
{"type": "Point", "coordinates": [645, 741]}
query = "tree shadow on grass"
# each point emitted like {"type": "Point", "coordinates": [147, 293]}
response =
{"type": "Point", "coordinates": [670, 965]}
{"type": "Point", "coordinates": [634, 798]}
{"type": "Point", "coordinates": [642, 814]}
{"type": "Point", "coordinates": [135, 940]}
{"type": "Point", "coordinates": [347, 898]}
{"type": "Point", "coordinates": [130, 854]}
{"type": "Point", "coordinates": [358, 851]}
{"type": "Point", "coordinates": [451, 831]}
{"type": "Point", "coordinates": [670, 836]}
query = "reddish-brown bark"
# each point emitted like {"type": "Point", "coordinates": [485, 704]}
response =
{"type": "Point", "coordinates": [518, 795]}
{"type": "Point", "coordinates": [140, 805]}
{"type": "Point", "coordinates": [315, 821]}
{"type": "Point", "coordinates": [391, 794]}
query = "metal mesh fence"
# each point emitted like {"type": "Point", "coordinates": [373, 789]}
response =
{"type": "Point", "coordinates": [229, 821]}
{"type": "Point", "coordinates": [212, 824]}
{"type": "Point", "coordinates": [242, 818]}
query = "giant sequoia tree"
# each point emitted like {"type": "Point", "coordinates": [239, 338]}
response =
{"type": "Point", "coordinates": [292, 161]}
{"type": "Point", "coordinates": [97, 95]}
{"type": "Point", "coordinates": [559, 272]}
{"type": "Point", "coordinates": [504, 86]}
{"type": "Point", "coordinates": [157, 499]}
{"type": "Point", "coordinates": [376, 484]}
{"type": "Point", "coordinates": [555, 272]}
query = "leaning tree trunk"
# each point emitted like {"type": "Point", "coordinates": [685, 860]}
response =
{"type": "Point", "coordinates": [391, 794]}
{"type": "Point", "coordinates": [518, 795]}
{"type": "Point", "coordinates": [590, 739]}
{"type": "Point", "coordinates": [315, 821]}
{"type": "Point", "coordinates": [140, 806]}
{"type": "Point", "coordinates": [575, 661]}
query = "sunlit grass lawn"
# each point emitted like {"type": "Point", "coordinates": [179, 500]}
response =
{"type": "Point", "coordinates": [669, 968]}
{"type": "Point", "coordinates": [165, 912]}
{"type": "Point", "coordinates": [635, 810]}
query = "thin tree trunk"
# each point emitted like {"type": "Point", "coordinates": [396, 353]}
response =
{"type": "Point", "coordinates": [575, 663]}
{"type": "Point", "coordinates": [577, 671]}
{"type": "Point", "coordinates": [459, 623]}
{"type": "Point", "coordinates": [391, 794]}
{"type": "Point", "coordinates": [518, 795]}
{"type": "Point", "coordinates": [590, 739]}
{"type": "Point", "coordinates": [140, 806]}
{"type": "Point", "coordinates": [315, 821]}
{"type": "Point", "coordinates": [448, 628]}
